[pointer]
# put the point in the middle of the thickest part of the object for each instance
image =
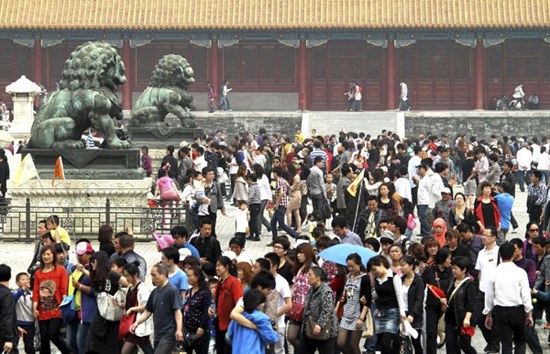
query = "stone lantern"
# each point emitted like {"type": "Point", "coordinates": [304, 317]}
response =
{"type": "Point", "coordinates": [23, 91]}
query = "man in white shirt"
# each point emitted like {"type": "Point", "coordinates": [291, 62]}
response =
{"type": "Point", "coordinates": [487, 261]}
{"type": "Point", "coordinates": [524, 157]}
{"type": "Point", "coordinates": [414, 162]}
{"type": "Point", "coordinates": [425, 203]}
{"type": "Point", "coordinates": [282, 289]}
{"type": "Point", "coordinates": [402, 184]}
{"type": "Point", "coordinates": [508, 302]}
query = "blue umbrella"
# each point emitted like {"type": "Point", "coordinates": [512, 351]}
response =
{"type": "Point", "coordinates": [339, 253]}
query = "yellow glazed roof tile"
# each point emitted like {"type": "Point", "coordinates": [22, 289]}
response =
{"type": "Point", "coordinates": [273, 14]}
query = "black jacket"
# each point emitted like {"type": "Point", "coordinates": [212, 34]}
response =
{"type": "Point", "coordinates": [463, 301]}
{"type": "Point", "coordinates": [441, 279]}
{"type": "Point", "coordinates": [208, 247]}
{"type": "Point", "coordinates": [8, 320]}
{"type": "Point", "coordinates": [415, 300]}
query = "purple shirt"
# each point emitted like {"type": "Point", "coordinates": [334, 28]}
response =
{"type": "Point", "coordinates": [529, 266]}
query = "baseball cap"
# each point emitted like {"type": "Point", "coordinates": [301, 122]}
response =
{"type": "Point", "coordinates": [164, 241]}
{"type": "Point", "coordinates": [446, 190]}
{"type": "Point", "coordinates": [83, 248]}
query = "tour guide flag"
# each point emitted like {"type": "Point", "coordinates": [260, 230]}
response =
{"type": "Point", "coordinates": [26, 171]}
{"type": "Point", "coordinates": [58, 171]}
{"type": "Point", "coordinates": [352, 189]}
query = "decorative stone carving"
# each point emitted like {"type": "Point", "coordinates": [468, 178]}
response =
{"type": "Point", "coordinates": [87, 98]}
{"type": "Point", "coordinates": [167, 93]}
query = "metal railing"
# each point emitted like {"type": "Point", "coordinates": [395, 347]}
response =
{"type": "Point", "coordinates": [20, 222]}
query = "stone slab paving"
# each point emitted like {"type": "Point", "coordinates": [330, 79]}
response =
{"type": "Point", "coordinates": [18, 254]}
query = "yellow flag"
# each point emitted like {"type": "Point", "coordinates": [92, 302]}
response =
{"type": "Point", "coordinates": [26, 171]}
{"type": "Point", "coordinates": [352, 189]}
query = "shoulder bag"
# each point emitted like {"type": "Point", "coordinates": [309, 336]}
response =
{"type": "Point", "coordinates": [325, 332]}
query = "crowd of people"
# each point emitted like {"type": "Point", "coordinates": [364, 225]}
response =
{"type": "Point", "coordinates": [424, 287]}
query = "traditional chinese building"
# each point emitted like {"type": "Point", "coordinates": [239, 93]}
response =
{"type": "Point", "coordinates": [290, 54]}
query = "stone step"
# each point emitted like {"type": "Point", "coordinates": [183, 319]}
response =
{"type": "Point", "coordinates": [369, 122]}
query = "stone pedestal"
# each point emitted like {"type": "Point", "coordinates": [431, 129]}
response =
{"type": "Point", "coordinates": [91, 177]}
{"type": "Point", "coordinates": [159, 138]}
{"type": "Point", "coordinates": [23, 91]}
{"type": "Point", "coordinates": [81, 193]}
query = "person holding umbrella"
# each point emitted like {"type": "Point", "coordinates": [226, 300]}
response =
{"type": "Point", "coordinates": [354, 315]}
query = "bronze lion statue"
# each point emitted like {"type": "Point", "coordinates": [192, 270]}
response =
{"type": "Point", "coordinates": [167, 93]}
{"type": "Point", "coordinates": [87, 98]}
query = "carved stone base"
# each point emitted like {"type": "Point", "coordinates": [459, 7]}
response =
{"type": "Point", "coordinates": [160, 137]}
{"type": "Point", "coordinates": [81, 193]}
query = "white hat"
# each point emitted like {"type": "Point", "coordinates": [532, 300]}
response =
{"type": "Point", "coordinates": [446, 190]}
{"type": "Point", "coordinates": [184, 143]}
{"type": "Point", "coordinates": [231, 255]}
{"type": "Point", "coordinates": [184, 253]}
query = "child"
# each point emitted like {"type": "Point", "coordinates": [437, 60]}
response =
{"type": "Point", "coordinates": [61, 249]}
{"type": "Point", "coordinates": [241, 220]}
{"type": "Point", "coordinates": [202, 202]}
{"type": "Point", "coordinates": [212, 284]}
{"type": "Point", "coordinates": [24, 312]}
{"type": "Point", "coordinates": [248, 340]}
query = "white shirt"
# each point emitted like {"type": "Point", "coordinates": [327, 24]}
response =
{"type": "Point", "coordinates": [403, 188]}
{"type": "Point", "coordinates": [412, 167]}
{"type": "Point", "coordinates": [437, 184]}
{"type": "Point", "coordinates": [200, 163]}
{"type": "Point", "coordinates": [486, 264]}
{"type": "Point", "coordinates": [544, 162]}
{"type": "Point", "coordinates": [283, 290]}
{"type": "Point", "coordinates": [241, 220]}
{"type": "Point", "coordinates": [524, 158]}
{"type": "Point", "coordinates": [425, 189]}
{"type": "Point", "coordinates": [508, 287]}
{"type": "Point", "coordinates": [265, 188]}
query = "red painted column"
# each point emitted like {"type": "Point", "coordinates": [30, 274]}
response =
{"type": "Point", "coordinates": [214, 54]}
{"type": "Point", "coordinates": [127, 87]}
{"type": "Point", "coordinates": [479, 78]}
{"type": "Point", "coordinates": [390, 75]}
{"type": "Point", "coordinates": [302, 75]}
{"type": "Point", "coordinates": [37, 61]}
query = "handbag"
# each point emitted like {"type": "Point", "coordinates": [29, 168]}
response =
{"type": "Point", "coordinates": [369, 324]}
{"type": "Point", "coordinates": [68, 310]}
{"type": "Point", "coordinates": [411, 223]}
{"type": "Point", "coordinates": [296, 313]}
{"type": "Point", "coordinates": [108, 305]}
{"type": "Point", "coordinates": [68, 307]}
{"type": "Point", "coordinates": [405, 344]}
{"type": "Point", "coordinates": [325, 332]}
{"type": "Point", "coordinates": [125, 323]}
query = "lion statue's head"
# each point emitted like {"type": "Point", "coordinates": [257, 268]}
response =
{"type": "Point", "coordinates": [91, 66]}
{"type": "Point", "coordinates": [172, 70]}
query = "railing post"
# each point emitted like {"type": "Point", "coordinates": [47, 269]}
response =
{"type": "Point", "coordinates": [108, 211]}
{"type": "Point", "coordinates": [28, 219]}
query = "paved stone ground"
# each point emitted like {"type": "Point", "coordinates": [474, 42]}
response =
{"type": "Point", "coordinates": [18, 255]}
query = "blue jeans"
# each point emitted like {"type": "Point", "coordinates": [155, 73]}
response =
{"type": "Point", "coordinates": [279, 218]}
{"type": "Point", "coordinates": [77, 333]}
{"type": "Point", "coordinates": [425, 227]}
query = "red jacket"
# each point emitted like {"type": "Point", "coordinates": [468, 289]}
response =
{"type": "Point", "coordinates": [227, 294]}
{"type": "Point", "coordinates": [479, 213]}
{"type": "Point", "coordinates": [49, 290]}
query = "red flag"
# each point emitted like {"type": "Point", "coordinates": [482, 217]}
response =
{"type": "Point", "coordinates": [438, 293]}
{"type": "Point", "coordinates": [58, 171]}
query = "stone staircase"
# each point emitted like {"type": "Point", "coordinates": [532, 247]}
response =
{"type": "Point", "coordinates": [372, 122]}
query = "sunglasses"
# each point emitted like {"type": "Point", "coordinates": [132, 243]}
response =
{"type": "Point", "coordinates": [533, 230]}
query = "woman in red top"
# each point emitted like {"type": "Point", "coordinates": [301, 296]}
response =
{"type": "Point", "coordinates": [228, 292]}
{"type": "Point", "coordinates": [50, 288]}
